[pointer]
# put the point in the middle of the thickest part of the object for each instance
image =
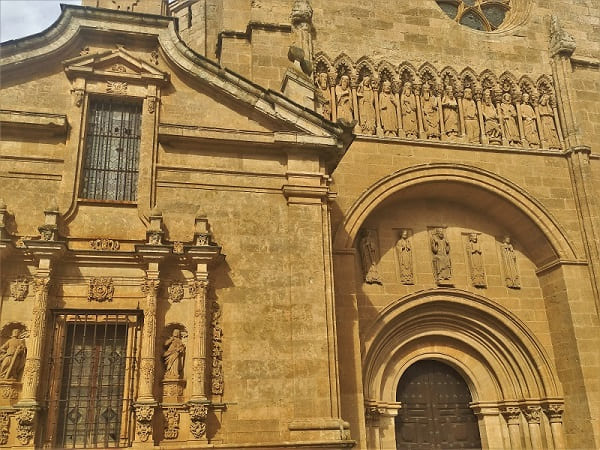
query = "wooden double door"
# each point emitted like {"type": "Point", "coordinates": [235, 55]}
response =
{"type": "Point", "coordinates": [435, 411]}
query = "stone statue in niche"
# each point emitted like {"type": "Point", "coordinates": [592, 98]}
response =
{"type": "Point", "coordinates": [475, 258]}
{"type": "Point", "coordinates": [12, 356]}
{"type": "Point", "coordinates": [509, 263]}
{"type": "Point", "coordinates": [440, 249]}
{"type": "Point", "coordinates": [408, 106]}
{"type": "Point", "coordinates": [530, 128]}
{"type": "Point", "coordinates": [450, 112]}
{"type": "Point", "coordinates": [366, 106]}
{"type": "Point", "coordinates": [509, 117]}
{"type": "Point", "coordinates": [344, 99]}
{"type": "Point", "coordinates": [387, 110]}
{"type": "Point", "coordinates": [548, 126]}
{"type": "Point", "coordinates": [431, 117]}
{"type": "Point", "coordinates": [405, 260]}
{"type": "Point", "coordinates": [368, 254]}
{"type": "Point", "coordinates": [490, 119]}
{"type": "Point", "coordinates": [471, 117]}
{"type": "Point", "coordinates": [174, 355]}
{"type": "Point", "coordinates": [323, 95]}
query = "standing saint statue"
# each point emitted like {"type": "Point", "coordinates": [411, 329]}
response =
{"type": "Point", "coordinates": [408, 106]}
{"type": "Point", "coordinates": [12, 357]}
{"type": "Point", "coordinates": [450, 112]}
{"type": "Point", "coordinates": [174, 355]}
{"type": "Point", "coordinates": [471, 117]}
{"type": "Point", "coordinates": [509, 262]}
{"type": "Point", "coordinates": [431, 117]}
{"type": "Point", "coordinates": [548, 126]}
{"type": "Point", "coordinates": [442, 266]}
{"type": "Point", "coordinates": [490, 119]}
{"type": "Point", "coordinates": [368, 255]}
{"type": "Point", "coordinates": [343, 97]}
{"type": "Point", "coordinates": [405, 261]}
{"type": "Point", "coordinates": [475, 257]}
{"type": "Point", "coordinates": [509, 117]}
{"type": "Point", "coordinates": [366, 106]}
{"type": "Point", "coordinates": [387, 110]}
{"type": "Point", "coordinates": [323, 95]}
{"type": "Point", "coordinates": [530, 128]}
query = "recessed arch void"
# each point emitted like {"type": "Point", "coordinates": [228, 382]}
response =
{"type": "Point", "coordinates": [518, 212]}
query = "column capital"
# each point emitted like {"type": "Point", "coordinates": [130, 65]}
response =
{"type": "Point", "coordinates": [511, 414]}
{"type": "Point", "coordinates": [554, 411]}
{"type": "Point", "coordinates": [532, 413]}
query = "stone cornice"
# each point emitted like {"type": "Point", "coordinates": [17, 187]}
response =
{"type": "Point", "coordinates": [40, 123]}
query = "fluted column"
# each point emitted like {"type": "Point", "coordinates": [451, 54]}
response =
{"type": "Point", "coordinates": [554, 411]}
{"type": "Point", "coordinates": [511, 415]}
{"type": "Point", "coordinates": [200, 344]}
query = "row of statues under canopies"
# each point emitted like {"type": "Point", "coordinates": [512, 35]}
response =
{"type": "Point", "coordinates": [442, 111]}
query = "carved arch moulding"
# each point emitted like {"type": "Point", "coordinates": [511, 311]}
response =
{"type": "Point", "coordinates": [445, 105]}
{"type": "Point", "coordinates": [466, 183]}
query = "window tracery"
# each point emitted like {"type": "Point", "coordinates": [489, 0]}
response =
{"type": "Point", "coordinates": [482, 15]}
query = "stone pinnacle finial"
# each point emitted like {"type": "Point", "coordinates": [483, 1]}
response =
{"type": "Point", "coordinates": [560, 40]}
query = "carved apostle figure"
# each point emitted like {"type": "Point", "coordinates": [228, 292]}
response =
{"type": "Point", "coordinates": [530, 129]}
{"type": "Point", "coordinates": [344, 99]}
{"type": "Point", "coordinates": [366, 106]}
{"type": "Point", "coordinates": [323, 95]}
{"type": "Point", "coordinates": [12, 356]}
{"type": "Point", "coordinates": [368, 254]}
{"type": "Point", "coordinates": [509, 117]}
{"type": "Point", "coordinates": [429, 107]}
{"type": "Point", "coordinates": [490, 119]}
{"type": "Point", "coordinates": [548, 126]}
{"type": "Point", "coordinates": [450, 112]}
{"type": "Point", "coordinates": [442, 266]}
{"type": "Point", "coordinates": [475, 257]}
{"type": "Point", "coordinates": [471, 117]}
{"type": "Point", "coordinates": [174, 355]}
{"type": "Point", "coordinates": [404, 249]}
{"type": "Point", "coordinates": [408, 106]}
{"type": "Point", "coordinates": [387, 110]}
{"type": "Point", "coordinates": [509, 262]}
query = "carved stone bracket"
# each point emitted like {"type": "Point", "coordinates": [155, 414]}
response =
{"type": "Point", "coordinates": [198, 416]}
{"type": "Point", "coordinates": [560, 40]}
{"type": "Point", "coordinates": [25, 425]}
{"type": "Point", "coordinates": [143, 420]}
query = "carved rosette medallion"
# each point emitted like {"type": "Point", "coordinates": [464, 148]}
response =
{"type": "Point", "coordinates": [19, 289]}
{"type": "Point", "coordinates": [198, 415]}
{"type": "Point", "coordinates": [533, 414]}
{"type": "Point", "coordinates": [4, 427]}
{"type": "Point", "coordinates": [101, 289]}
{"type": "Point", "coordinates": [25, 424]}
{"type": "Point", "coordinates": [171, 423]}
{"type": "Point", "coordinates": [176, 292]}
{"type": "Point", "coordinates": [143, 419]}
{"type": "Point", "coordinates": [105, 245]}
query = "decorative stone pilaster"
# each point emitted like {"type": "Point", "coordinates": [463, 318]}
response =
{"type": "Point", "coordinates": [147, 369]}
{"type": "Point", "coordinates": [512, 416]}
{"type": "Point", "coordinates": [554, 411]}
{"type": "Point", "coordinates": [199, 289]}
{"type": "Point", "coordinates": [533, 415]}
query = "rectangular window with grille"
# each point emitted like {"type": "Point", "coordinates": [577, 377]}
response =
{"type": "Point", "coordinates": [92, 379]}
{"type": "Point", "coordinates": [112, 150]}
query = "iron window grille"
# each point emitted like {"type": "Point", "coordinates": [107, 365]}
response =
{"type": "Point", "coordinates": [112, 150]}
{"type": "Point", "coordinates": [91, 385]}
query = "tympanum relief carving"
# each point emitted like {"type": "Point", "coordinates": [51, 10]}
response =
{"type": "Point", "coordinates": [388, 100]}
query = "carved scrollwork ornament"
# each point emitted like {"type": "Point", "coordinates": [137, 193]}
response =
{"type": "Point", "coordinates": [101, 289]}
{"type": "Point", "coordinates": [105, 245]}
{"type": "Point", "coordinates": [4, 427]}
{"type": "Point", "coordinates": [25, 424]}
{"type": "Point", "coordinates": [198, 286]}
{"type": "Point", "coordinates": [176, 292]}
{"type": "Point", "coordinates": [143, 418]}
{"type": "Point", "coordinates": [154, 57]}
{"type": "Point", "coordinates": [116, 87]}
{"type": "Point", "coordinates": [178, 248]}
{"type": "Point", "coordinates": [19, 289]}
{"type": "Point", "coordinates": [171, 423]}
{"type": "Point", "coordinates": [198, 415]}
{"type": "Point", "coordinates": [78, 95]}
{"type": "Point", "coordinates": [41, 285]}
{"type": "Point", "coordinates": [152, 101]}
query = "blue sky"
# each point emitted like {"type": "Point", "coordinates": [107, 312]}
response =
{"type": "Point", "coordinates": [20, 18]}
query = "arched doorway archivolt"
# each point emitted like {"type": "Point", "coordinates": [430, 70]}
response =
{"type": "Point", "coordinates": [504, 365]}
{"type": "Point", "coordinates": [529, 220]}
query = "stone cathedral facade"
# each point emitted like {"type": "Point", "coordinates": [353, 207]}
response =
{"type": "Point", "coordinates": [315, 224]}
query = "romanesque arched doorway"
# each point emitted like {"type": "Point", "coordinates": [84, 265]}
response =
{"type": "Point", "coordinates": [435, 410]}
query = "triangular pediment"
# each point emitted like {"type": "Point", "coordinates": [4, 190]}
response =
{"type": "Point", "coordinates": [118, 63]}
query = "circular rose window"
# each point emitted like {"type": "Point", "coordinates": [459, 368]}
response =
{"type": "Point", "coordinates": [483, 15]}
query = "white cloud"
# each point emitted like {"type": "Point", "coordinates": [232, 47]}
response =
{"type": "Point", "coordinates": [20, 18]}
